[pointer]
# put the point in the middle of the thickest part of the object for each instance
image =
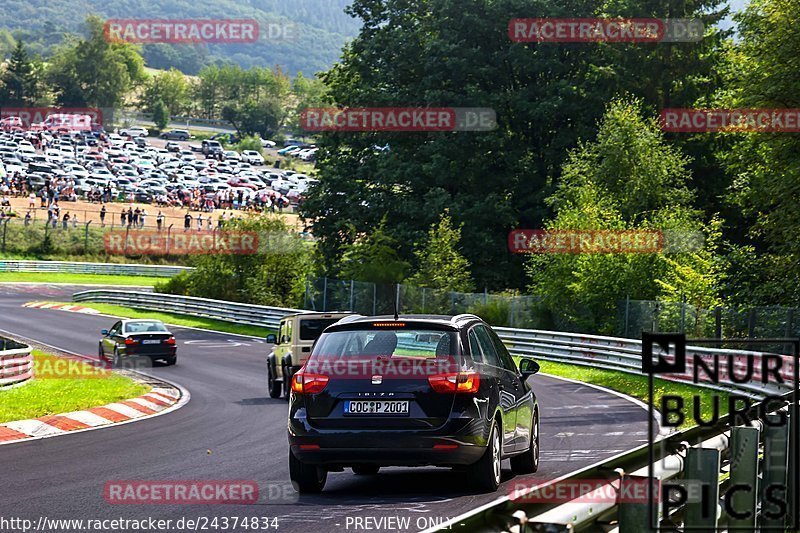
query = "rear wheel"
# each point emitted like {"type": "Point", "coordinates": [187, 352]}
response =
{"type": "Point", "coordinates": [273, 384]}
{"type": "Point", "coordinates": [306, 478]}
{"type": "Point", "coordinates": [100, 353]}
{"type": "Point", "coordinates": [366, 470]}
{"type": "Point", "coordinates": [486, 472]}
{"type": "Point", "coordinates": [117, 361]}
{"type": "Point", "coordinates": [528, 462]}
{"type": "Point", "coordinates": [171, 360]}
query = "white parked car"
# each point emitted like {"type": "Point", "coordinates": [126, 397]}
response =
{"type": "Point", "coordinates": [266, 143]}
{"type": "Point", "coordinates": [252, 157]}
{"type": "Point", "coordinates": [135, 131]}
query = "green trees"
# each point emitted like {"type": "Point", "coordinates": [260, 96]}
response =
{"type": "Point", "coordinates": [546, 96]}
{"type": "Point", "coordinates": [19, 82]}
{"type": "Point", "coordinates": [170, 88]}
{"type": "Point", "coordinates": [93, 71]}
{"type": "Point", "coordinates": [441, 265]}
{"type": "Point", "coordinates": [273, 276]}
{"type": "Point", "coordinates": [761, 72]}
{"type": "Point", "coordinates": [628, 178]}
{"type": "Point", "coordinates": [160, 115]}
{"type": "Point", "coordinates": [373, 257]}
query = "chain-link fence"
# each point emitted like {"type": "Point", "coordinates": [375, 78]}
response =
{"type": "Point", "coordinates": [635, 316]}
{"type": "Point", "coordinates": [522, 311]}
{"type": "Point", "coordinates": [328, 294]}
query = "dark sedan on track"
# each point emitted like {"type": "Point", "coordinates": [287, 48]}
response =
{"type": "Point", "coordinates": [411, 391]}
{"type": "Point", "coordinates": [138, 338]}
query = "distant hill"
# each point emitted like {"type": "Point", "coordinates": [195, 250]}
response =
{"type": "Point", "coordinates": [322, 29]}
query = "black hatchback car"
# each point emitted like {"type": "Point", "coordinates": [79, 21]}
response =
{"type": "Point", "coordinates": [411, 391]}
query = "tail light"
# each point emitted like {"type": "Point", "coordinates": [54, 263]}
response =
{"type": "Point", "coordinates": [131, 342]}
{"type": "Point", "coordinates": [459, 382]}
{"type": "Point", "coordinates": [306, 383]}
{"type": "Point", "coordinates": [170, 341]}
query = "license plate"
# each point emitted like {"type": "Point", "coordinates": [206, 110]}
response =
{"type": "Point", "coordinates": [375, 407]}
{"type": "Point", "coordinates": [151, 341]}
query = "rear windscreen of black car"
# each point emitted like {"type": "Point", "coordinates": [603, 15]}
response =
{"type": "Point", "coordinates": [394, 343]}
{"type": "Point", "coordinates": [145, 327]}
{"type": "Point", "coordinates": [311, 329]}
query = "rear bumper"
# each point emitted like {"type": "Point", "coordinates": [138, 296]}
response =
{"type": "Point", "coordinates": [458, 442]}
{"type": "Point", "coordinates": [169, 352]}
{"type": "Point", "coordinates": [462, 455]}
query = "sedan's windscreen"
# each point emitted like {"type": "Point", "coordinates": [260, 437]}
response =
{"type": "Point", "coordinates": [390, 343]}
{"type": "Point", "coordinates": [145, 327]}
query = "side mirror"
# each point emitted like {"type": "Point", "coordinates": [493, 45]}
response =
{"type": "Point", "coordinates": [104, 332]}
{"type": "Point", "coordinates": [528, 367]}
{"type": "Point", "coordinates": [272, 338]}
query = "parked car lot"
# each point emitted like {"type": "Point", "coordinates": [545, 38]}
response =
{"type": "Point", "coordinates": [66, 167]}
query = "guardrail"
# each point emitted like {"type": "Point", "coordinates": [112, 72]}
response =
{"type": "Point", "coordinates": [16, 362]}
{"type": "Point", "coordinates": [166, 271]}
{"type": "Point", "coordinates": [609, 353]}
{"type": "Point", "coordinates": [625, 355]}
{"type": "Point", "coordinates": [734, 470]}
{"type": "Point", "coordinates": [253, 315]}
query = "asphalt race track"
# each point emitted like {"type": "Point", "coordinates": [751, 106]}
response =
{"type": "Point", "coordinates": [231, 430]}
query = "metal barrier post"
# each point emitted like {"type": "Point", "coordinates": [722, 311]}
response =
{"type": "Point", "coordinates": [633, 515]}
{"type": "Point", "coordinates": [351, 296]}
{"type": "Point", "coordinates": [702, 468]}
{"type": "Point", "coordinates": [775, 474]}
{"type": "Point", "coordinates": [744, 474]}
{"type": "Point", "coordinates": [169, 231]}
{"type": "Point", "coordinates": [86, 238]}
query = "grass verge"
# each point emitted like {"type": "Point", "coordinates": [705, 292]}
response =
{"type": "Point", "coordinates": [636, 386]}
{"type": "Point", "coordinates": [79, 279]}
{"type": "Point", "coordinates": [55, 392]}
{"type": "Point", "coordinates": [179, 320]}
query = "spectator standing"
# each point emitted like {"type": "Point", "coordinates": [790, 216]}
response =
{"type": "Point", "coordinates": [65, 221]}
{"type": "Point", "coordinates": [187, 221]}
{"type": "Point", "coordinates": [159, 220]}
{"type": "Point", "coordinates": [200, 222]}
{"type": "Point", "coordinates": [32, 201]}
{"type": "Point", "coordinates": [28, 218]}
{"type": "Point", "coordinates": [130, 216]}
{"type": "Point", "coordinates": [136, 214]}
{"type": "Point", "coordinates": [208, 223]}
{"type": "Point", "coordinates": [75, 220]}
{"type": "Point", "coordinates": [103, 216]}
{"type": "Point", "coordinates": [122, 217]}
{"type": "Point", "coordinates": [142, 218]}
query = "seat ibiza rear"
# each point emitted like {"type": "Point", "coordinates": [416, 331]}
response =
{"type": "Point", "coordinates": [411, 391]}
